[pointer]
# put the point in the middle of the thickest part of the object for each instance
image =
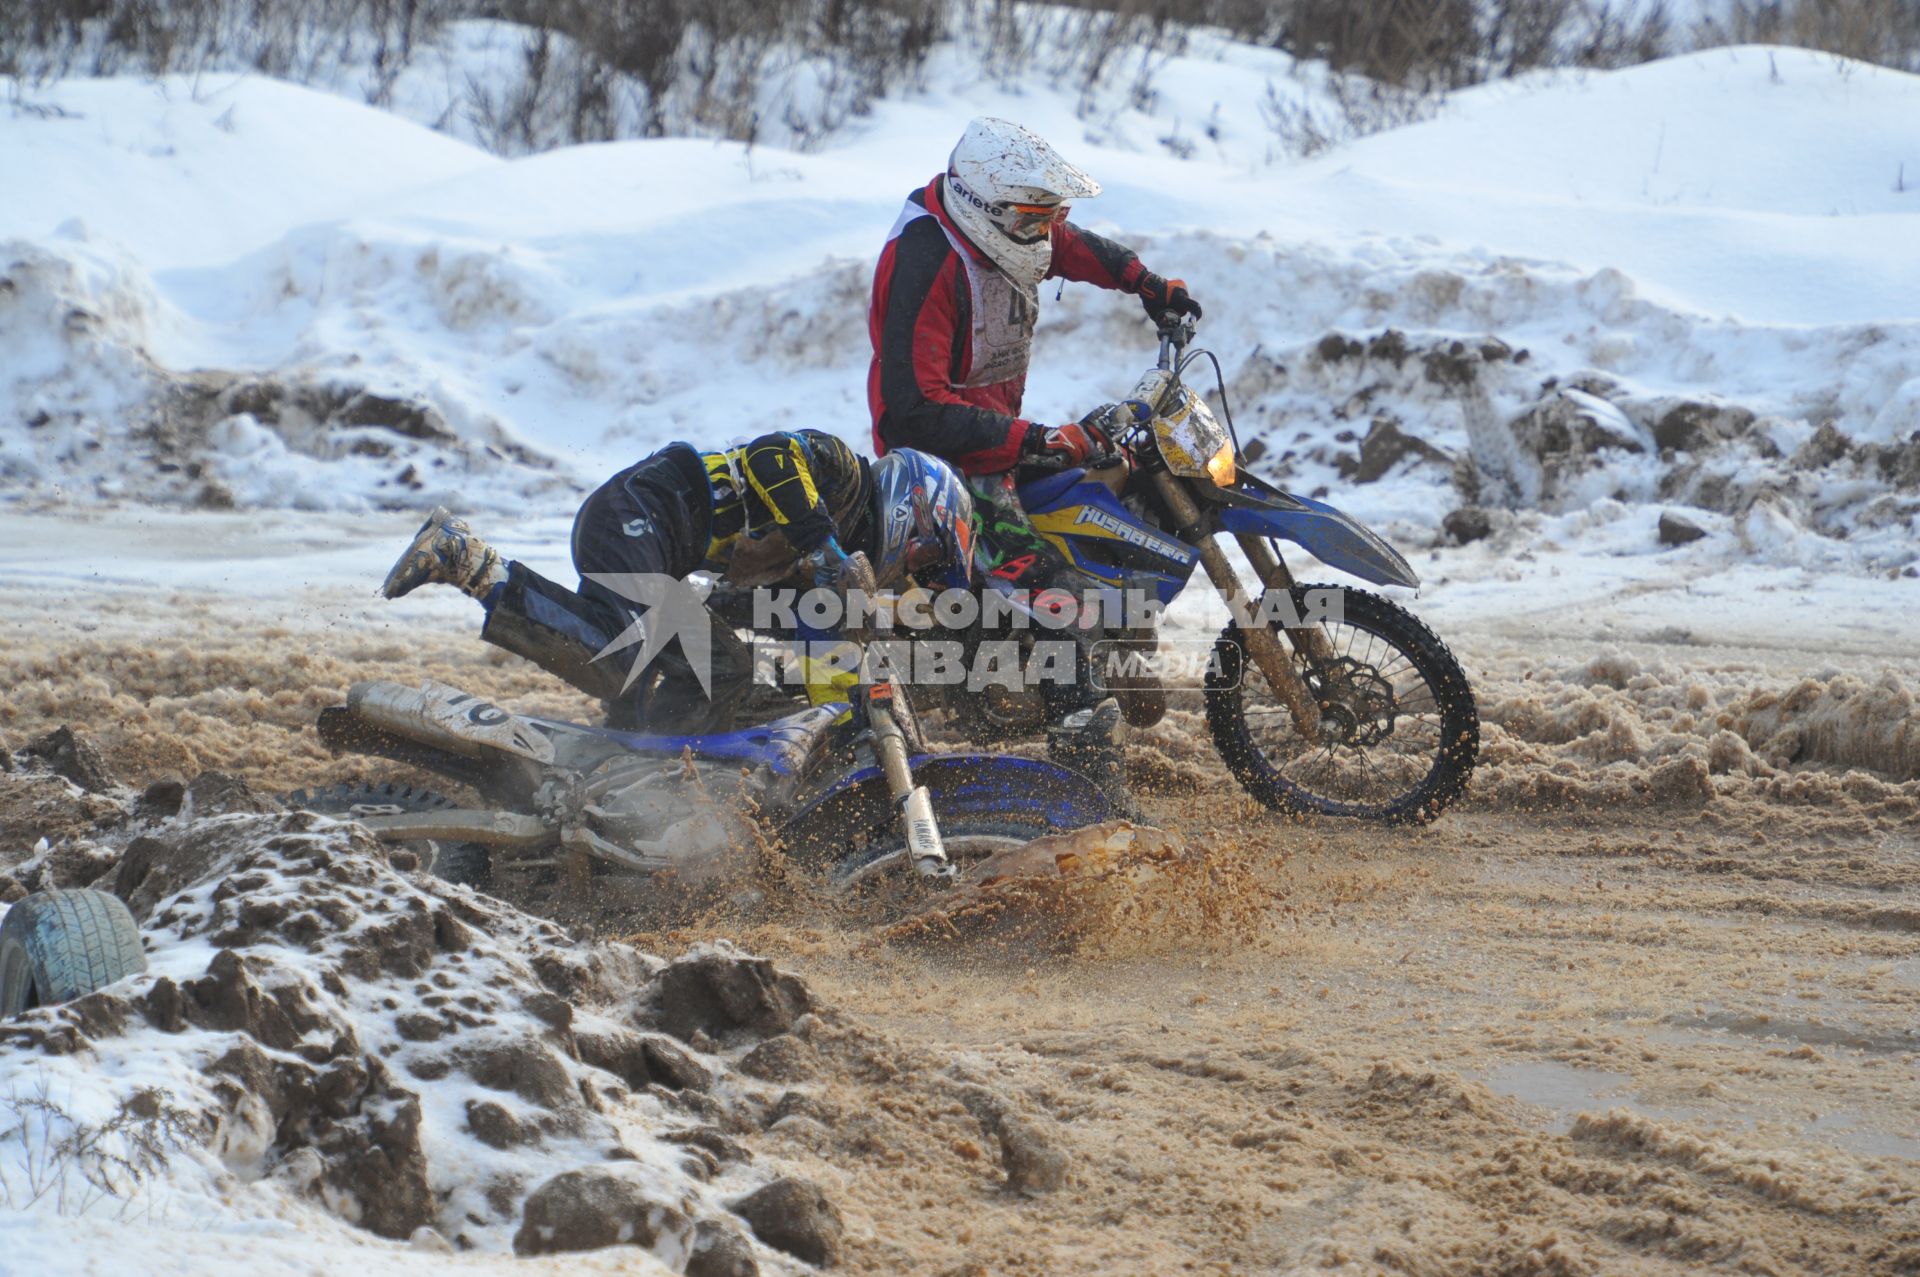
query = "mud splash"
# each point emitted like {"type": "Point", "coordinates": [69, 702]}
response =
{"type": "Point", "coordinates": [1264, 1058]}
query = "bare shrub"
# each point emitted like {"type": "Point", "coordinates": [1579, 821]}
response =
{"type": "Point", "coordinates": [1882, 31]}
{"type": "Point", "coordinates": [1409, 43]}
{"type": "Point", "coordinates": [1358, 107]}
{"type": "Point", "coordinates": [49, 1157]}
{"type": "Point", "coordinates": [792, 71]}
{"type": "Point", "coordinates": [296, 39]}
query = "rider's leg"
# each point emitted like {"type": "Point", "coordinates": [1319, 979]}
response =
{"type": "Point", "coordinates": [570, 636]}
{"type": "Point", "coordinates": [655, 519]}
{"type": "Point", "coordinates": [558, 630]}
{"type": "Point", "coordinates": [1084, 727]}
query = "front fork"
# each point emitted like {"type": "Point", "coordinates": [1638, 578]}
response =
{"type": "Point", "coordinates": [1262, 646]}
{"type": "Point", "coordinates": [924, 846]}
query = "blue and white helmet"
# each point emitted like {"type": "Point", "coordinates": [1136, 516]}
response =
{"type": "Point", "coordinates": [923, 522]}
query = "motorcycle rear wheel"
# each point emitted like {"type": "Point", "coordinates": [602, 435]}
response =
{"type": "Point", "coordinates": [466, 863]}
{"type": "Point", "coordinates": [1399, 726]}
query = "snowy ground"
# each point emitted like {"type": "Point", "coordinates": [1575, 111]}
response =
{"type": "Point", "coordinates": [1726, 229]}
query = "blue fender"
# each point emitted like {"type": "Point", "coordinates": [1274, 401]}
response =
{"type": "Point", "coordinates": [1337, 540]}
{"type": "Point", "coordinates": [1025, 790]}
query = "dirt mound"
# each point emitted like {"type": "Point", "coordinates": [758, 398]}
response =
{"type": "Point", "coordinates": [410, 1057]}
{"type": "Point", "coordinates": [1514, 437]}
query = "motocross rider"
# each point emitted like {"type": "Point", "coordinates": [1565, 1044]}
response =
{"type": "Point", "coordinates": [785, 504]}
{"type": "Point", "coordinates": [951, 319]}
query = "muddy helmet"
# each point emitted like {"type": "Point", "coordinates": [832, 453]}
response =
{"type": "Point", "coordinates": [1006, 188]}
{"type": "Point", "coordinates": [923, 522]}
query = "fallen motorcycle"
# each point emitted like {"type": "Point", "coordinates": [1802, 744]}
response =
{"type": "Point", "coordinates": [848, 790]}
{"type": "Point", "coordinates": [1339, 702]}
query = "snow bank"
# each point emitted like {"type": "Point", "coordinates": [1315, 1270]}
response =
{"type": "Point", "coordinates": [1543, 293]}
{"type": "Point", "coordinates": [197, 170]}
{"type": "Point", "coordinates": [1768, 185]}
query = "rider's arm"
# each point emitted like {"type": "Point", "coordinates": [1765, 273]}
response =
{"type": "Point", "coordinates": [1086, 258]}
{"type": "Point", "coordinates": [919, 336]}
{"type": "Point", "coordinates": [783, 491]}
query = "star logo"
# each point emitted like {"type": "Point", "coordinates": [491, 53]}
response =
{"type": "Point", "coordinates": [674, 609]}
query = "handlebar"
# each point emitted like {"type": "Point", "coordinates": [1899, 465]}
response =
{"type": "Point", "coordinates": [1175, 332]}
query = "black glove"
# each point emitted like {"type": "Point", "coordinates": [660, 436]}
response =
{"type": "Point", "coordinates": [1163, 297]}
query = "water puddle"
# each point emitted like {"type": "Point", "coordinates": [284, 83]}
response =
{"type": "Point", "coordinates": [1852, 1131]}
{"type": "Point", "coordinates": [1563, 1089]}
{"type": "Point", "coordinates": [1566, 1091]}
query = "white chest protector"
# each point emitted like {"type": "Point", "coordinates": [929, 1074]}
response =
{"type": "Point", "coordinates": [1003, 311]}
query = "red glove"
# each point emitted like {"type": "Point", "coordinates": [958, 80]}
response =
{"type": "Point", "coordinates": [1163, 297]}
{"type": "Point", "coordinates": [1064, 445]}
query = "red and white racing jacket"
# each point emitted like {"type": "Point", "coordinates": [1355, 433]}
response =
{"type": "Point", "coordinates": [952, 334]}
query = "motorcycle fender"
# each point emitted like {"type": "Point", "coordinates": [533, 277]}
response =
{"type": "Point", "coordinates": [960, 784]}
{"type": "Point", "coordinates": [448, 718]}
{"type": "Point", "coordinates": [1335, 539]}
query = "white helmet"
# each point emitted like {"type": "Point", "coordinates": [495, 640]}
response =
{"type": "Point", "coordinates": [1006, 188]}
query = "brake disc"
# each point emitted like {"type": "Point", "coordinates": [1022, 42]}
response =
{"type": "Point", "coordinates": [1357, 705]}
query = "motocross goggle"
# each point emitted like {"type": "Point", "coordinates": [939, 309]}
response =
{"type": "Point", "coordinates": [1025, 223]}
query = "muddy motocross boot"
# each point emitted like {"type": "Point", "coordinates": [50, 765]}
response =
{"type": "Point", "coordinates": [446, 552]}
{"type": "Point", "coordinates": [1088, 741]}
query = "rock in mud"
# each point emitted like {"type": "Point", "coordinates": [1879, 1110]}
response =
{"type": "Point", "coordinates": [731, 998]}
{"type": "Point", "coordinates": [69, 754]}
{"type": "Point", "coordinates": [779, 1059]}
{"type": "Point", "coordinates": [720, 1250]}
{"type": "Point", "coordinates": [161, 799]}
{"type": "Point", "coordinates": [154, 868]}
{"type": "Point", "coordinates": [228, 999]}
{"type": "Point", "coordinates": [382, 1165]}
{"type": "Point", "coordinates": [588, 1210]}
{"type": "Point", "coordinates": [493, 1126]}
{"type": "Point", "coordinates": [218, 794]}
{"type": "Point", "coordinates": [10, 890]}
{"type": "Point", "coordinates": [716, 1143]}
{"type": "Point", "coordinates": [1033, 1163]}
{"type": "Point", "coordinates": [1385, 447]}
{"type": "Point", "coordinates": [526, 1069]}
{"type": "Point", "coordinates": [642, 1059]}
{"type": "Point", "coordinates": [1467, 525]}
{"type": "Point", "coordinates": [1675, 530]}
{"type": "Point", "coordinates": [794, 1216]}
{"type": "Point", "coordinates": [418, 1026]}
{"type": "Point", "coordinates": [1684, 780]}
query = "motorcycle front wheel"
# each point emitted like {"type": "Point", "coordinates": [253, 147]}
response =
{"type": "Point", "coordinates": [1399, 731]}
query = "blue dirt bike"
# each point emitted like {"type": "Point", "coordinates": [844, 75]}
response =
{"type": "Point", "coordinates": [848, 791]}
{"type": "Point", "coordinates": [1321, 699]}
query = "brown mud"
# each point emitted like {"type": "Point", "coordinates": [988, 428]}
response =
{"type": "Point", "coordinates": [1648, 1002]}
